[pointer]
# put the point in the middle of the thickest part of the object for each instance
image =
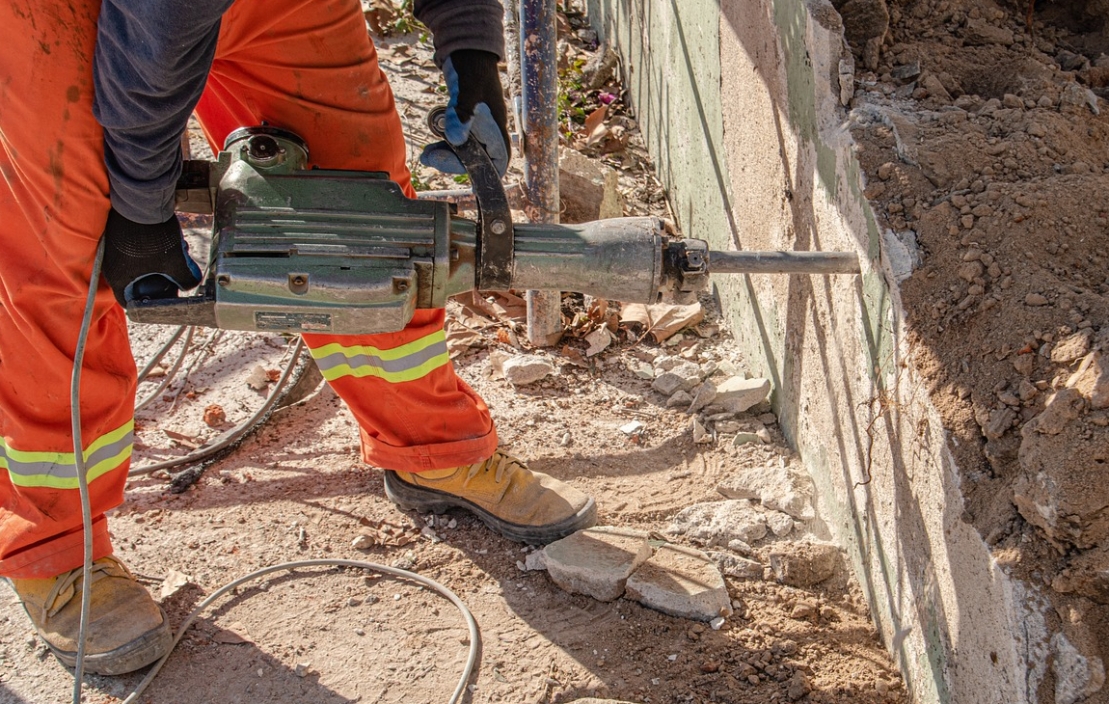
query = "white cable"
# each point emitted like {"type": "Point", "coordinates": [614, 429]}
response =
{"type": "Point", "coordinates": [79, 464]}
{"type": "Point", "coordinates": [86, 521]}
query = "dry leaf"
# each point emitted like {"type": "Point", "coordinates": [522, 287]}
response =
{"type": "Point", "coordinates": [662, 319]}
{"type": "Point", "coordinates": [598, 340]}
{"type": "Point", "coordinates": [595, 129]}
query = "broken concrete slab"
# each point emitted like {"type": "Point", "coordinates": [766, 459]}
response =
{"type": "Point", "coordinates": [719, 522]}
{"type": "Point", "coordinates": [596, 561]}
{"type": "Point", "coordinates": [682, 582]}
{"type": "Point", "coordinates": [738, 395]}
{"type": "Point", "coordinates": [705, 395]}
{"type": "Point", "coordinates": [522, 370]}
{"type": "Point", "coordinates": [780, 524]}
{"type": "Point", "coordinates": [804, 564]}
{"type": "Point", "coordinates": [669, 383]}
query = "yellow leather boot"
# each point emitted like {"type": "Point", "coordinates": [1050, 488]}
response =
{"type": "Point", "coordinates": [127, 629]}
{"type": "Point", "coordinates": [514, 501]}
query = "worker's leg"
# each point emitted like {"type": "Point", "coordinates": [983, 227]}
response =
{"type": "Point", "coordinates": [53, 205]}
{"type": "Point", "coordinates": [309, 66]}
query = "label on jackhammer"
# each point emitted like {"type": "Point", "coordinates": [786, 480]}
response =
{"type": "Point", "coordinates": [292, 322]}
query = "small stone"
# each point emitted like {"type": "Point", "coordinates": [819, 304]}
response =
{"type": "Point", "coordinates": [979, 33]}
{"type": "Point", "coordinates": [536, 560]}
{"type": "Point", "coordinates": [705, 395]}
{"type": "Point", "coordinates": [804, 612]}
{"type": "Point", "coordinates": [798, 686]}
{"type": "Point", "coordinates": [737, 567]}
{"type": "Point", "coordinates": [738, 395]}
{"type": "Point", "coordinates": [566, 440]}
{"type": "Point", "coordinates": [301, 669]}
{"type": "Point", "coordinates": [363, 542]}
{"type": "Point", "coordinates": [717, 623]}
{"type": "Point", "coordinates": [632, 428]}
{"type": "Point", "coordinates": [701, 435]}
{"type": "Point", "coordinates": [680, 399]}
{"type": "Point", "coordinates": [1072, 347]}
{"type": "Point", "coordinates": [745, 438]}
{"type": "Point", "coordinates": [1092, 380]}
{"type": "Point", "coordinates": [780, 524]}
{"type": "Point", "coordinates": [668, 383]}
{"type": "Point", "coordinates": [718, 522]}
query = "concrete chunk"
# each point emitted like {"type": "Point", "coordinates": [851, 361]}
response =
{"type": "Point", "coordinates": [738, 395]}
{"type": "Point", "coordinates": [719, 522]}
{"type": "Point", "coordinates": [779, 488]}
{"type": "Point", "coordinates": [681, 582]}
{"type": "Point", "coordinates": [736, 566]}
{"type": "Point", "coordinates": [803, 564]}
{"type": "Point", "coordinates": [523, 370]}
{"type": "Point", "coordinates": [596, 561]}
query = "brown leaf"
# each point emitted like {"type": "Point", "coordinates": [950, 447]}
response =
{"type": "Point", "coordinates": [595, 129]}
{"type": "Point", "coordinates": [662, 319]}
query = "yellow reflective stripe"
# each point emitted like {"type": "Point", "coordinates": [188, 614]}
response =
{"type": "Point", "coordinates": [58, 470]}
{"type": "Point", "coordinates": [406, 362]}
{"type": "Point", "coordinates": [411, 374]}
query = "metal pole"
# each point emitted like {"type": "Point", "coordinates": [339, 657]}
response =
{"type": "Point", "coordinates": [539, 69]}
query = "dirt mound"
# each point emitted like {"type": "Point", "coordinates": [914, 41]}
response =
{"type": "Point", "coordinates": [986, 147]}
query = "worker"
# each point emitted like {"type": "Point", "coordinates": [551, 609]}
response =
{"type": "Point", "coordinates": [94, 99]}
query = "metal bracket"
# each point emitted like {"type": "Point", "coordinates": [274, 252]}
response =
{"type": "Point", "coordinates": [495, 239]}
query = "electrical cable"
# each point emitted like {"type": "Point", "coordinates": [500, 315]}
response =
{"type": "Point", "coordinates": [236, 434]}
{"type": "Point", "coordinates": [86, 522]}
{"type": "Point", "coordinates": [79, 464]}
{"type": "Point", "coordinates": [471, 623]}
{"type": "Point", "coordinates": [169, 376]}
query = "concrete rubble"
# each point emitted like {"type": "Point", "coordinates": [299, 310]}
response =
{"type": "Point", "coordinates": [805, 564]}
{"type": "Point", "coordinates": [597, 561]}
{"type": "Point", "coordinates": [588, 189]}
{"type": "Point", "coordinates": [607, 562]}
{"type": "Point", "coordinates": [779, 488]}
{"type": "Point", "coordinates": [738, 395]}
{"type": "Point", "coordinates": [718, 522]}
{"type": "Point", "coordinates": [522, 370]}
{"type": "Point", "coordinates": [682, 582]}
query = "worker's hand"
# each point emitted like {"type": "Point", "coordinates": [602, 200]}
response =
{"type": "Point", "coordinates": [476, 107]}
{"type": "Point", "coordinates": [146, 261]}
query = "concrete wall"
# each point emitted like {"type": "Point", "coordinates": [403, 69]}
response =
{"type": "Point", "coordinates": [739, 104]}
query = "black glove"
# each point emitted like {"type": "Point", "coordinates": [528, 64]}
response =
{"type": "Point", "coordinates": [146, 261]}
{"type": "Point", "coordinates": [476, 107]}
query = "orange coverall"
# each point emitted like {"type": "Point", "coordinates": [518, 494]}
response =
{"type": "Point", "coordinates": [304, 65]}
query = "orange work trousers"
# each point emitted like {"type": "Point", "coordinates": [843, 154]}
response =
{"type": "Point", "coordinates": [305, 65]}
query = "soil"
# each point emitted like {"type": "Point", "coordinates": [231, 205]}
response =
{"type": "Point", "coordinates": [986, 147]}
{"type": "Point", "coordinates": [296, 489]}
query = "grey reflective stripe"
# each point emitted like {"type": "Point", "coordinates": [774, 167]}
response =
{"type": "Point", "coordinates": [389, 366]}
{"type": "Point", "coordinates": [59, 470]}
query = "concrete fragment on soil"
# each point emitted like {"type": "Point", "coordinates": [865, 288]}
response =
{"type": "Point", "coordinates": [587, 188]}
{"type": "Point", "coordinates": [778, 488]}
{"type": "Point", "coordinates": [681, 582]}
{"type": "Point", "coordinates": [597, 561]}
{"type": "Point", "coordinates": [736, 566]}
{"type": "Point", "coordinates": [738, 395]}
{"type": "Point", "coordinates": [719, 522]}
{"type": "Point", "coordinates": [524, 369]}
{"type": "Point", "coordinates": [804, 564]}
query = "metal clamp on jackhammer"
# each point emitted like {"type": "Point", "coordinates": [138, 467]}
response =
{"type": "Point", "coordinates": [346, 252]}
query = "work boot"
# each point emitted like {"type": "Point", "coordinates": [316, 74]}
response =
{"type": "Point", "coordinates": [514, 501]}
{"type": "Point", "coordinates": [126, 630]}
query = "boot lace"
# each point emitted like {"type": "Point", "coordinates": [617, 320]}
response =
{"type": "Point", "coordinates": [501, 463]}
{"type": "Point", "coordinates": [104, 567]}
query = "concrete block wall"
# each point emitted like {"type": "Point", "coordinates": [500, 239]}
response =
{"type": "Point", "coordinates": [740, 106]}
